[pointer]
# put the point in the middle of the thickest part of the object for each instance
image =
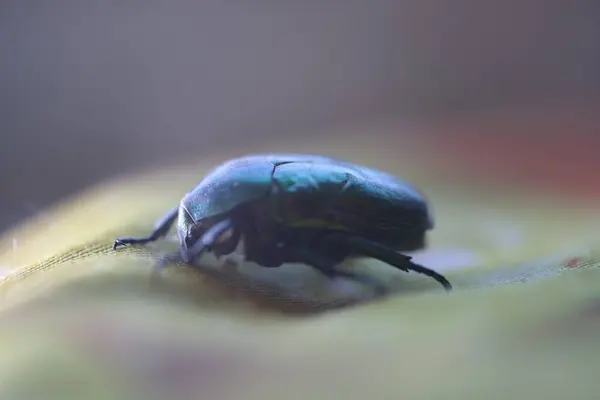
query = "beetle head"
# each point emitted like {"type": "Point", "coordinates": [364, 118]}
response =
{"type": "Point", "coordinates": [216, 234]}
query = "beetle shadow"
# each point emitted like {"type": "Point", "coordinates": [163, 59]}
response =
{"type": "Point", "coordinates": [290, 289]}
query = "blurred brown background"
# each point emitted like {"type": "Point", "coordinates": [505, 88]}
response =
{"type": "Point", "coordinates": [91, 88]}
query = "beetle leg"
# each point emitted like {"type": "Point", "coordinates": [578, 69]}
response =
{"type": "Point", "coordinates": [206, 241]}
{"type": "Point", "coordinates": [229, 244]}
{"type": "Point", "coordinates": [389, 256]}
{"type": "Point", "coordinates": [326, 267]}
{"type": "Point", "coordinates": [161, 228]}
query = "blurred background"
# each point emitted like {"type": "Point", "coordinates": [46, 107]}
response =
{"type": "Point", "coordinates": [91, 89]}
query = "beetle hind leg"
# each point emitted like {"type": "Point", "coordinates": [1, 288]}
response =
{"type": "Point", "coordinates": [161, 228]}
{"type": "Point", "coordinates": [389, 256]}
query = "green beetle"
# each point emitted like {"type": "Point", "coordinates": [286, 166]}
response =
{"type": "Point", "coordinates": [300, 208]}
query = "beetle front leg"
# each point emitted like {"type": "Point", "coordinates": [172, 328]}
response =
{"type": "Point", "coordinates": [211, 238]}
{"type": "Point", "coordinates": [389, 256]}
{"type": "Point", "coordinates": [161, 228]}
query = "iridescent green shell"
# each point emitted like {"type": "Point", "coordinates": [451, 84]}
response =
{"type": "Point", "coordinates": [310, 191]}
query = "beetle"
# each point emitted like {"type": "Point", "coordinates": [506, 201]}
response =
{"type": "Point", "coordinates": [300, 208]}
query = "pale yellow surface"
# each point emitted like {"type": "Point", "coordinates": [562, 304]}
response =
{"type": "Point", "coordinates": [82, 321]}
